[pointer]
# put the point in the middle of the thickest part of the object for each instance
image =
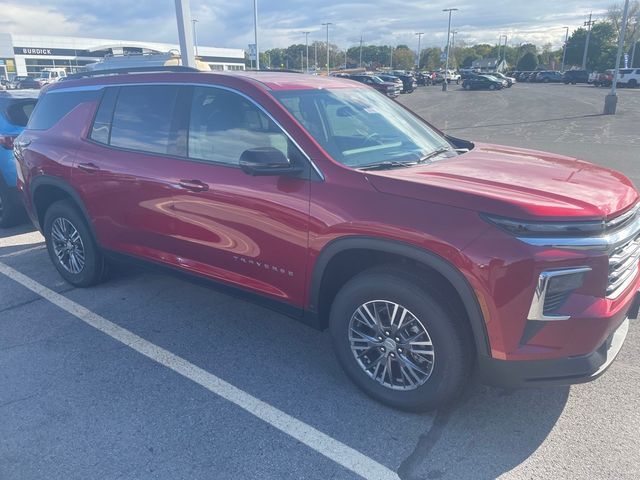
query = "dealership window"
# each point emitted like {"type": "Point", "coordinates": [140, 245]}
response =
{"type": "Point", "coordinates": [36, 65]}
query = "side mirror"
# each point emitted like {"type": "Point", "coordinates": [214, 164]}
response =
{"type": "Point", "coordinates": [263, 161]}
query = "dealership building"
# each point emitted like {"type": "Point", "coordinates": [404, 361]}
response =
{"type": "Point", "coordinates": [29, 54]}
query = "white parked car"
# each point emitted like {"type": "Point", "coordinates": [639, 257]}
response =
{"type": "Point", "coordinates": [629, 77]}
{"type": "Point", "coordinates": [50, 75]}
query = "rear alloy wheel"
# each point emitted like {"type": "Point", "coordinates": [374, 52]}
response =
{"type": "Point", "coordinates": [398, 341]}
{"type": "Point", "coordinates": [492, 87]}
{"type": "Point", "coordinates": [71, 246]}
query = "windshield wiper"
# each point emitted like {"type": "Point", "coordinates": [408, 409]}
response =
{"type": "Point", "coordinates": [435, 153]}
{"type": "Point", "coordinates": [388, 165]}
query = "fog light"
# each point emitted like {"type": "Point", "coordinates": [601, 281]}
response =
{"type": "Point", "coordinates": [553, 289]}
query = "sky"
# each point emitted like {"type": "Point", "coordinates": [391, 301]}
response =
{"type": "Point", "coordinates": [281, 22]}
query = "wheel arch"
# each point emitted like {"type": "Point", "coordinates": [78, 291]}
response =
{"type": "Point", "coordinates": [417, 255]}
{"type": "Point", "coordinates": [46, 189]}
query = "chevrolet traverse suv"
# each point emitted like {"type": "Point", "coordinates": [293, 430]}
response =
{"type": "Point", "coordinates": [429, 258]}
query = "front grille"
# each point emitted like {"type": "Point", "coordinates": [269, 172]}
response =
{"type": "Point", "coordinates": [623, 266]}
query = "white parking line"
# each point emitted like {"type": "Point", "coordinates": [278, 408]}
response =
{"type": "Point", "coordinates": [20, 252]}
{"type": "Point", "coordinates": [322, 443]}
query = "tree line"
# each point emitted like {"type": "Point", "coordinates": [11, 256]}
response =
{"type": "Point", "coordinates": [526, 56]}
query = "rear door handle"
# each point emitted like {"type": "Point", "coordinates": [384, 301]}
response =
{"type": "Point", "coordinates": [194, 185]}
{"type": "Point", "coordinates": [88, 167]}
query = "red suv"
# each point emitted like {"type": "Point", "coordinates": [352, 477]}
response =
{"type": "Point", "coordinates": [425, 255]}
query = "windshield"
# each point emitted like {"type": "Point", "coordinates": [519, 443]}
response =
{"type": "Point", "coordinates": [359, 127]}
{"type": "Point", "coordinates": [45, 74]}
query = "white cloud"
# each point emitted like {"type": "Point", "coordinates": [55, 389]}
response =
{"type": "Point", "coordinates": [230, 24]}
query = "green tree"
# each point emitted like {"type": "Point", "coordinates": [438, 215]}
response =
{"type": "Point", "coordinates": [403, 58]}
{"type": "Point", "coordinates": [528, 62]}
{"type": "Point", "coordinates": [603, 38]}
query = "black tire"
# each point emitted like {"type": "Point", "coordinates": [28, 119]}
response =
{"type": "Point", "coordinates": [466, 86]}
{"type": "Point", "coordinates": [449, 333]}
{"type": "Point", "coordinates": [492, 87]}
{"type": "Point", "coordinates": [11, 212]}
{"type": "Point", "coordinates": [94, 269]}
{"type": "Point", "coordinates": [633, 83]}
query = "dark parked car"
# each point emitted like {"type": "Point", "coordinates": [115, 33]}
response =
{"type": "Point", "coordinates": [482, 82]}
{"type": "Point", "coordinates": [391, 79]}
{"type": "Point", "coordinates": [30, 82]}
{"type": "Point", "coordinates": [576, 76]}
{"type": "Point", "coordinates": [409, 83]}
{"type": "Point", "coordinates": [549, 76]}
{"type": "Point", "coordinates": [427, 257]}
{"type": "Point", "coordinates": [390, 89]}
{"type": "Point", "coordinates": [15, 108]}
{"type": "Point", "coordinates": [425, 78]}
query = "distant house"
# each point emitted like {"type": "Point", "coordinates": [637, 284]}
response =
{"type": "Point", "coordinates": [490, 65]}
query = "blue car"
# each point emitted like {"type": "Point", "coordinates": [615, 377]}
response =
{"type": "Point", "coordinates": [15, 109]}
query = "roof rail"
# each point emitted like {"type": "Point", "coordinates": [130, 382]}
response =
{"type": "Point", "coordinates": [119, 71]}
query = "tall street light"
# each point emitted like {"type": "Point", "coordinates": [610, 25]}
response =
{"type": "Point", "coordinates": [306, 45]}
{"type": "Point", "coordinates": [419, 35]}
{"type": "Point", "coordinates": [564, 50]}
{"type": "Point", "coordinates": [611, 100]}
{"type": "Point", "coordinates": [588, 24]}
{"type": "Point", "coordinates": [195, 35]}
{"type": "Point", "coordinates": [360, 50]}
{"type": "Point", "coordinates": [255, 31]}
{"type": "Point", "coordinates": [446, 68]}
{"type": "Point", "coordinates": [183, 17]}
{"type": "Point", "coordinates": [327, 25]}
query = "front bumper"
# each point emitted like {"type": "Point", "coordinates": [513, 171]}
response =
{"type": "Point", "coordinates": [561, 371]}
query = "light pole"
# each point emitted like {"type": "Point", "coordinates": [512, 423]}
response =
{"type": "Point", "coordinates": [255, 31]}
{"type": "Point", "coordinates": [453, 45]}
{"type": "Point", "coordinates": [446, 68]}
{"type": "Point", "coordinates": [327, 25]}
{"type": "Point", "coordinates": [504, 51]}
{"type": "Point", "coordinates": [195, 35]}
{"type": "Point", "coordinates": [588, 24]}
{"type": "Point", "coordinates": [499, 46]}
{"type": "Point", "coordinates": [360, 51]}
{"type": "Point", "coordinates": [306, 45]}
{"type": "Point", "coordinates": [391, 58]}
{"type": "Point", "coordinates": [611, 100]}
{"type": "Point", "coordinates": [315, 55]}
{"type": "Point", "coordinates": [183, 17]}
{"type": "Point", "coordinates": [419, 35]}
{"type": "Point", "coordinates": [564, 50]}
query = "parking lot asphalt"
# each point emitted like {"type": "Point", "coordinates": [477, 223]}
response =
{"type": "Point", "coordinates": [127, 379]}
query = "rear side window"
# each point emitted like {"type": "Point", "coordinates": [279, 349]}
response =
{"type": "Point", "coordinates": [101, 130]}
{"type": "Point", "coordinates": [18, 113]}
{"type": "Point", "coordinates": [56, 104]}
{"type": "Point", "coordinates": [144, 120]}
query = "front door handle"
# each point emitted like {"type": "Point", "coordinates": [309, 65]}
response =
{"type": "Point", "coordinates": [88, 167]}
{"type": "Point", "coordinates": [194, 185]}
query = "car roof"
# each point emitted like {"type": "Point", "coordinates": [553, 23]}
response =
{"type": "Point", "coordinates": [268, 80]}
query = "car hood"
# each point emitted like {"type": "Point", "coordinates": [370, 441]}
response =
{"type": "Point", "coordinates": [514, 182]}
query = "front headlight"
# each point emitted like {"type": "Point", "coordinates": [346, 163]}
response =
{"type": "Point", "coordinates": [525, 228]}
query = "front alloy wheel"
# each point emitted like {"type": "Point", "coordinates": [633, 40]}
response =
{"type": "Point", "coordinates": [397, 337]}
{"type": "Point", "coordinates": [391, 345]}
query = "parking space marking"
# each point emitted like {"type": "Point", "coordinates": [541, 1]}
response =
{"type": "Point", "coordinates": [20, 252]}
{"type": "Point", "coordinates": [322, 443]}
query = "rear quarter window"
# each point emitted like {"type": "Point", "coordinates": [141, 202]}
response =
{"type": "Point", "coordinates": [56, 104]}
{"type": "Point", "coordinates": [18, 113]}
